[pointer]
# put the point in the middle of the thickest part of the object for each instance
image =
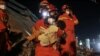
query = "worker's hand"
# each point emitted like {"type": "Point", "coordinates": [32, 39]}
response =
{"type": "Point", "coordinates": [30, 38]}
{"type": "Point", "coordinates": [9, 44]}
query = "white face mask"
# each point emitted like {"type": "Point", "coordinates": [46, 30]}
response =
{"type": "Point", "coordinates": [2, 6]}
{"type": "Point", "coordinates": [67, 11]}
{"type": "Point", "coordinates": [51, 20]}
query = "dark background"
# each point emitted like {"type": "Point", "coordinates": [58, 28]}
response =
{"type": "Point", "coordinates": [87, 12]}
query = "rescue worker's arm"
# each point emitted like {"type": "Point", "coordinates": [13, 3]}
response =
{"type": "Point", "coordinates": [61, 18]}
{"type": "Point", "coordinates": [75, 20]}
{"type": "Point", "coordinates": [34, 34]}
{"type": "Point", "coordinates": [1, 15]}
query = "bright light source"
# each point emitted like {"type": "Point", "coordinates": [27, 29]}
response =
{"type": "Point", "coordinates": [45, 14]}
{"type": "Point", "coordinates": [98, 46]}
{"type": "Point", "coordinates": [80, 43]}
{"type": "Point", "coordinates": [88, 43]}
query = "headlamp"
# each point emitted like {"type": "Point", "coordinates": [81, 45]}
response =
{"type": "Point", "coordinates": [45, 14]}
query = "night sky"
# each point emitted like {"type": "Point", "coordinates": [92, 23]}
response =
{"type": "Point", "coordinates": [87, 12]}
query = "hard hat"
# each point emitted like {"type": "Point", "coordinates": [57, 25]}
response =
{"type": "Point", "coordinates": [65, 7]}
{"type": "Point", "coordinates": [52, 7]}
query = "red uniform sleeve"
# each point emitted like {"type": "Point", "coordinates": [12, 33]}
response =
{"type": "Point", "coordinates": [1, 15]}
{"type": "Point", "coordinates": [74, 17]}
{"type": "Point", "coordinates": [2, 25]}
{"type": "Point", "coordinates": [38, 24]}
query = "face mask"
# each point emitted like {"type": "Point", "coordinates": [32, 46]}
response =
{"type": "Point", "coordinates": [51, 20]}
{"type": "Point", "coordinates": [2, 6]}
{"type": "Point", "coordinates": [67, 11]}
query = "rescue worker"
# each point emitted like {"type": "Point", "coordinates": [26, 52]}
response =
{"type": "Point", "coordinates": [4, 40]}
{"type": "Point", "coordinates": [45, 34]}
{"type": "Point", "coordinates": [70, 20]}
{"type": "Point", "coordinates": [45, 45]}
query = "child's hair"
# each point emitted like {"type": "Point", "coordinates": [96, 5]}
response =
{"type": "Point", "coordinates": [61, 24]}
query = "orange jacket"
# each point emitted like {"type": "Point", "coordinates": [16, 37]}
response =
{"type": "Point", "coordinates": [42, 50]}
{"type": "Point", "coordinates": [2, 25]}
{"type": "Point", "coordinates": [70, 24]}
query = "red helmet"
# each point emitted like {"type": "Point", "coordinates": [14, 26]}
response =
{"type": "Point", "coordinates": [44, 1]}
{"type": "Point", "coordinates": [52, 7]}
{"type": "Point", "coordinates": [65, 7]}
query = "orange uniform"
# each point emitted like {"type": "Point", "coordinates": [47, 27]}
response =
{"type": "Point", "coordinates": [70, 23]}
{"type": "Point", "coordinates": [44, 50]}
{"type": "Point", "coordinates": [2, 26]}
{"type": "Point", "coordinates": [3, 34]}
